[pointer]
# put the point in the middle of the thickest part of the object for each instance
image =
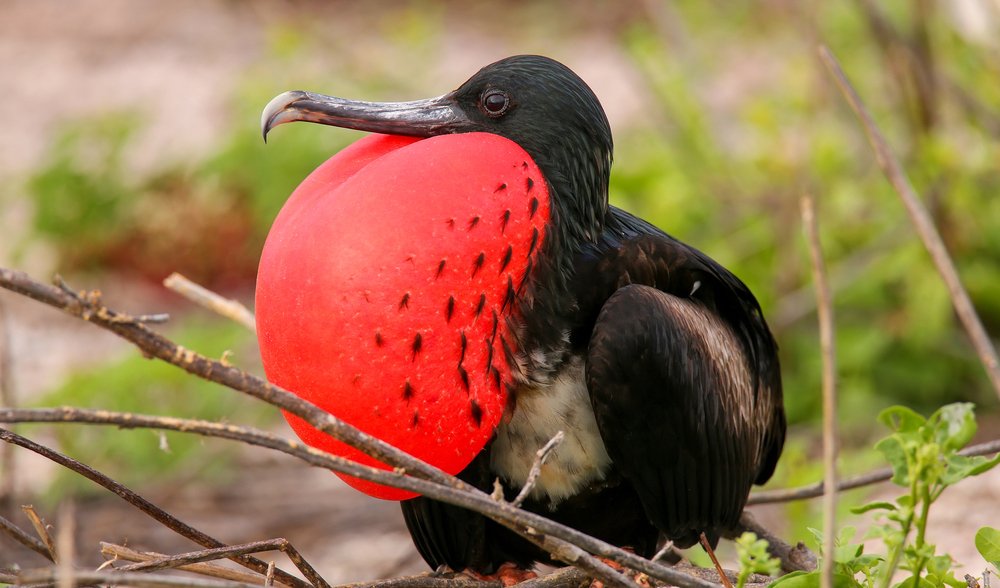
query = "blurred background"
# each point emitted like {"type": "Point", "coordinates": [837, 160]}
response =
{"type": "Point", "coordinates": [131, 149]}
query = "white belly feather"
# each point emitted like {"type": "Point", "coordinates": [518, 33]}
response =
{"type": "Point", "coordinates": [542, 411]}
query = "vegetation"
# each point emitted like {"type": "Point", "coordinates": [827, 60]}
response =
{"type": "Point", "coordinates": [737, 122]}
{"type": "Point", "coordinates": [923, 454]}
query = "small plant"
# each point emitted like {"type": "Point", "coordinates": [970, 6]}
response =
{"type": "Point", "coordinates": [754, 558]}
{"type": "Point", "coordinates": [924, 456]}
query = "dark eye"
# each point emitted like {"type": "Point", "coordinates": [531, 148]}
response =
{"type": "Point", "coordinates": [495, 102]}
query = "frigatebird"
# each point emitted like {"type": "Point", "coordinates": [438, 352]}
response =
{"type": "Point", "coordinates": [653, 359]}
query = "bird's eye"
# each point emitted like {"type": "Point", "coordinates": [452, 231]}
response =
{"type": "Point", "coordinates": [495, 102]}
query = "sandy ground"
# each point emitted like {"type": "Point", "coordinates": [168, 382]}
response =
{"type": "Point", "coordinates": [176, 62]}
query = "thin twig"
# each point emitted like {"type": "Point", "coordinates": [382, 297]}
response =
{"type": "Point", "coordinates": [568, 553]}
{"type": "Point", "coordinates": [22, 537]}
{"type": "Point", "coordinates": [559, 548]}
{"type": "Point", "coordinates": [793, 557]}
{"type": "Point", "coordinates": [536, 467]}
{"type": "Point", "coordinates": [163, 517]}
{"type": "Point", "coordinates": [229, 552]}
{"type": "Point", "coordinates": [83, 578]}
{"type": "Point", "coordinates": [867, 479]}
{"type": "Point", "coordinates": [227, 307]}
{"type": "Point", "coordinates": [269, 577]}
{"type": "Point", "coordinates": [922, 222]}
{"type": "Point", "coordinates": [715, 560]}
{"type": "Point", "coordinates": [824, 307]}
{"type": "Point", "coordinates": [65, 546]}
{"type": "Point", "coordinates": [463, 495]}
{"type": "Point", "coordinates": [42, 530]}
{"type": "Point", "coordinates": [122, 553]}
{"type": "Point", "coordinates": [8, 466]}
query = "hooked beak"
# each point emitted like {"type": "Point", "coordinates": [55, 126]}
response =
{"type": "Point", "coordinates": [419, 118]}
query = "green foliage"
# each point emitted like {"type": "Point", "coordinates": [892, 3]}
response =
{"type": "Point", "coordinates": [988, 544]}
{"type": "Point", "coordinates": [925, 460]}
{"type": "Point", "coordinates": [739, 123]}
{"type": "Point", "coordinates": [81, 193]}
{"type": "Point", "coordinates": [754, 558]}
{"type": "Point", "coordinates": [134, 384]}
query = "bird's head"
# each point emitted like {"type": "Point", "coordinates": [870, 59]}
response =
{"type": "Point", "coordinates": [537, 102]}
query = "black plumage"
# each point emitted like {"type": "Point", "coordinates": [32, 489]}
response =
{"type": "Point", "coordinates": [655, 357]}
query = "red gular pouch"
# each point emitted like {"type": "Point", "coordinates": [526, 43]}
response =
{"type": "Point", "coordinates": [385, 288]}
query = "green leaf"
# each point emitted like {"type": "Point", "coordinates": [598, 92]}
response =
{"type": "Point", "coordinates": [988, 544]}
{"type": "Point", "coordinates": [894, 452]}
{"type": "Point", "coordinates": [880, 505]}
{"type": "Point", "coordinates": [812, 580]}
{"type": "Point", "coordinates": [954, 425]}
{"type": "Point", "coordinates": [914, 582]}
{"type": "Point", "coordinates": [960, 467]}
{"type": "Point", "coordinates": [901, 419]}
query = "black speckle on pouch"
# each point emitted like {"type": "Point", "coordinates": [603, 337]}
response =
{"type": "Point", "coordinates": [476, 412]}
{"type": "Point", "coordinates": [480, 305]}
{"type": "Point", "coordinates": [418, 343]}
{"type": "Point", "coordinates": [462, 373]}
{"type": "Point", "coordinates": [478, 263]}
{"type": "Point", "coordinates": [506, 258]}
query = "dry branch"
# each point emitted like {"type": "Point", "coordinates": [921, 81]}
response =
{"type": "Point", "coordinates": [793, 557]}
{"type": "Point", "coordinates": [230, 552]}
{"type": "Point", "coordinates": [138, 580]}
{"type": "Point", "coordinates": [161, 516]}
{"type": "Point", "coordinates": [922, 222]}
{"type": "Point", "coordinates": [227, 307]}
{"type": "Point", "coordinates": [432, 481]}
{"type": "Point", "coordinates": [42, 530]}
{"type": "Point", "coordinates": [867, 479]}
{"type": "Point", "coordinates": [122, 553]}
{"type": "Point", "coordinates": [824, 306]}
{"type": "Point", "coordinates": [25, 539]}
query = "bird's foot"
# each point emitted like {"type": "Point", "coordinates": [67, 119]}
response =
{"type": "Point", "coordinates": [611, 564]}
{"type": "Point", "coordinates": [508, 574]}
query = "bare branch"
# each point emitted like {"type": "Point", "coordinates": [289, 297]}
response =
{"type": "Point", "coordinates": [8, 467]}
{"type": "Point", "coordinates": [227, 307]}
{"type": "Point", "coordinates": [922, 222]}
{"type": "Point", "coordinates": [824, 306]}
{"type": "Point", "coordinates": [163, 517]}
{"type": "Point", "coordinates": [536, 467]}
{"type": "Point", "coordinates": [138, 580]}
{"type": "Point", "coordinates": [560, 549]}
{"type": "Point", "coordinates": [229, 552]}
{"type": "Point", "coordinates": [122, 553]}
{"type": "Point", "coordinates": [65, 546]}
{"type": "Point", "coordinates": [25, 539]}
{"type": "Point", "coordinates": [872, 477]}
{"type": "Point", "coordinates": [42, 530]}
{"type": "Point", "coordinates": [409, 470]}
{"type": "Point", "coordinates": [793, 558]}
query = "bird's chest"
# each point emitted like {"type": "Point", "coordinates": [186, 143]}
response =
{"type": "Point", "coordinates": [542, 410]}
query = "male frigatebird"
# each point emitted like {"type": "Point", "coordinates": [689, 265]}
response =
{"type": "Point", "coordinates": [653, 359]}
